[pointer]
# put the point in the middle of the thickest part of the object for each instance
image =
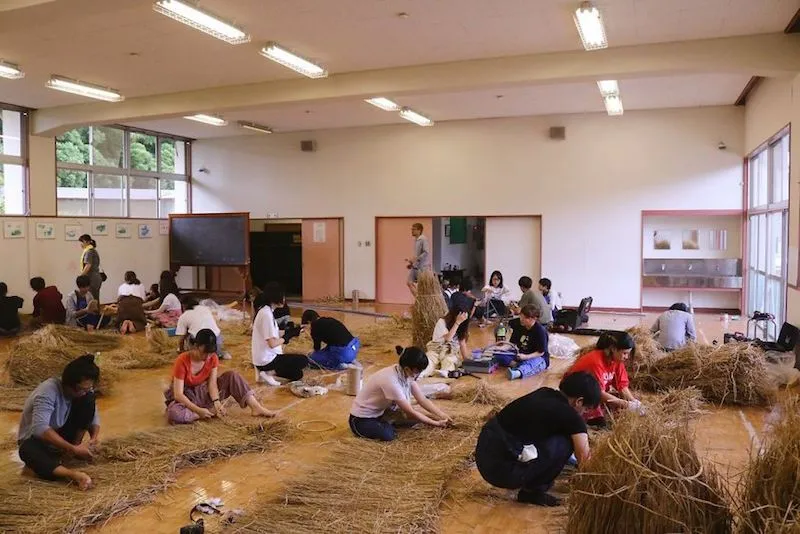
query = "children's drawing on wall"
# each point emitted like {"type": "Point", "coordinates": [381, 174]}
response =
{"type": "Point", "coordinates": [691, 240]}
{"type": "Point", "coordinates": [45, 231]}
{"type": "Point", "coordinates": [662, 240]}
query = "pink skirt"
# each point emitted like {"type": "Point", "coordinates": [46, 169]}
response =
{"type": "Point", "coordinates": [167, 319]}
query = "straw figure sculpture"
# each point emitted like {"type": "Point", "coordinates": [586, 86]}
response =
{"type": "Point", "coordinates": [369, 486]}
{"type": "Point", "coordinates": [645, 476]}
{"type": "Point", "coordinates": [732, 373]}
{"type": "Point", "coordinates": [429, 306]}
{"type": "Point", "coordinates": [771, 484]}
{"type": "Point", "coordinates": [128, 472]}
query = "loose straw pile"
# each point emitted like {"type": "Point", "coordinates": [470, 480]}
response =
{"type": "Point", "coordinates": [129, 472]}
{"type": "Point", "coordinates": [480, 392]}
{"type": "Point", "coordinates": [429, 306]}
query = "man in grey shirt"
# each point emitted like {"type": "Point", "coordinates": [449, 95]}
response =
{"type": "Point", "coordinates": [531, 297]}
{"type": "Point", "coordinates": [56, 417]}
{"type": "Point", "coordinates": [675, 327]}
{"type": "Point", "coordinates": [421, 261]}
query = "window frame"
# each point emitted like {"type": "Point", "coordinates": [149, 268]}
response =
{"type": "Point", "coordinates": [128, 173]}
{"type": "Point", "coordinates": [23, 159]}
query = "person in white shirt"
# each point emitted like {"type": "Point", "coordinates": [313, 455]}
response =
{"type": "Point", "coordinates": [132, 286]}
{"type": "Point", "coordinates": [268, 341]}
{"type": "Point", "coordinates": [195, 318]}
{"type": "Point", "coordinates": [168, 314]}
{"type": "Point", "coordinates": [391, 389]}
{"type": "Point", "coordinates": [496, 298]}
{"type": "Point", "coordinates": [448, 346]}
{"type": "Point", "coordinates": [552, 298]}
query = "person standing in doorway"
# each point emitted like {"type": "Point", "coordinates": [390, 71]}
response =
{"type": "Point", "coordinates": [90, 265]}
{"type": "Point", "coordinates": [421, 261]}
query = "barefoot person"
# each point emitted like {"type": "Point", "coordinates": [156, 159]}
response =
{"type": "Point", "coordinates": [421, 260]}
{"type": "Point", "coordinates": [56, 418]}
{"type": "Point", "coordinates": [526, 446]}
{"type": "Point", "coordinates": [197, 392]}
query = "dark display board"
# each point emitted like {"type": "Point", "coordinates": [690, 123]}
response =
{"type": "Point", "coordinates": [213, 239]}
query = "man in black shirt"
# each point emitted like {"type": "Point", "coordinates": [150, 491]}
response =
{"type": "Point", "coordinates": [529, 442]}
{"type": "Point", "coordinates": [9, 312]}
{"type": "Point", "coordinates": [341, 348]}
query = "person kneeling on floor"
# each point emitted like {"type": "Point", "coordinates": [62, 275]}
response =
{"type": "Point", "coordinates": [197, 392]}
{"type": "Point", "coordinates": [268, 340]}
{"type": "Point", "coordinates": [55, 419]}
{"type": "Point", "coordinates": [528, 443]}
{"type": "Point", "coordinates": [531, 339]}
{"type": "Point", "coordinates": [390, 390]}
{"type": "Point", "coordinates": [341, 347]}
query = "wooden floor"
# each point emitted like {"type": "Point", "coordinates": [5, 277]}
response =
{"type": "Point", "coordinates": [723, 435]}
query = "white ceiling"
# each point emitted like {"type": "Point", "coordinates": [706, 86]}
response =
{"type": "Point", "coordinates": [94, 40]}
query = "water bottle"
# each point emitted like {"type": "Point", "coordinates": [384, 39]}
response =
{"type": "Point", "coordinates": [500, 333]}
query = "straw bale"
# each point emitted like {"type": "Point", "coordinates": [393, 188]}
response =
{"type": "Point", "coordinates": [12, 398]}
{"type": "Point", "coordinates": [771, 485]}
{"type": "Point", "coordinates": [732, 373]}
{"type": "Point", "coordinates": [648, 351]}
{"type": "Point", "coordinates": [130, 472]}
{"type": "Point", "coordinates": [429, 306]}
{"type": "Point", "coordinates": [645, 476]}
{"type": "Point", "coordinates": [60, 336]}
{"type": "Point", "coordinates": [369, 486]}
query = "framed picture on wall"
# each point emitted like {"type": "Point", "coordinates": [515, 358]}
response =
{"type": "Point", "coordinates": [45, 230]}
{"type": "Point", "coordinates": [99, 228]}
{"type": "Point", "coordinates": [163, 227]}
{"type": "Point", "coordinates": [123, 231]}
{"type": "Point", "coordinates": [72, 232]}
{"type": "Point", "coordinates": [145, 231]}
{"type": "Point", "coordinates": [691, 240]}
{"type": "Point", "coordinates": [662, 240]}
{"type": "Point", "coordinates": [14, 229]}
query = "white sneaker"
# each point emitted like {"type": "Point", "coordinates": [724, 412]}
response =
{"type": "Point", "coordinates": [268, 379]}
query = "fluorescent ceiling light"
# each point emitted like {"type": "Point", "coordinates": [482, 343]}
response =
{"type": "Point", "coordinates": [608, 87]}
{"type": "Point", "coordinates": [416, 118]}
{"type": "Point", "coordinates": [278, 54]}
{"type": "Point", "coordinates": [10, 71]}
{"type": "Point", "coordinates": [213, 120]}
{"type": "Point", "coordinates": [590, 26]}
{"type": "Point", "coordinates": [89, 90]}
{"type": "Point", "coordinates": [189, 14]}
{"type": "Point", "coordinates": [383, 103]}
{"type": "Point", "coordinates": [613, 105]}
{"type": "Point", "coordinates": [255, 127]}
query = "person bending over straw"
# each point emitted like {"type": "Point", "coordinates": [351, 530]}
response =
{"type": "Point", "coordinates": [341, 347]}
{"type": "Point", "coordinates": [55, 419]}
{"type": "Point", "coordinates": [448, 348]}
{"type": "Point", "coordinates": [389, 389]}
{"type": "Point", "coordinates": [197, 392]}
{"type": "Point", "coordinates": [607, 364]}
{"type": "Point", "coordinates": [528, 443]}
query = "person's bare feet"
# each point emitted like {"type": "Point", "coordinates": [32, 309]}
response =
{"type": "Point", "coordinates": [262, 412]}
{"type": "Point", "coordinates": [82, 479]}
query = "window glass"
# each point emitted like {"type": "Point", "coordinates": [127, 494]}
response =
{"type": "Point", "coordinates": [107, 146]}
{"type": "Point", "coordinates": [109, 195]}
{"type": "Point", "coordinates": [73, 146]}
{"type": "Point", "coordinates": [10, 132]}
{"type": "Point", "coordinates": [12, 189]}
{"type": "Point", "coordinates": [72, 192]}
{"type": "Point", "coordinates": [144, 197]}
{"type": "Point", "coordinates": [143, 152]}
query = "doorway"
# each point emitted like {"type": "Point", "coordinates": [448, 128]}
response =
{"type": "Point", "coordinates": [460, 248]}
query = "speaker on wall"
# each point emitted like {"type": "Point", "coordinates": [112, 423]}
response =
{"type": "Point", "coordinates": [558, 133]}
{"type": "Point", "coordinates": [308, 146]}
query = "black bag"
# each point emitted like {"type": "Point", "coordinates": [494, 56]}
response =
{"type": "Point", "coordinates": [103, 276]}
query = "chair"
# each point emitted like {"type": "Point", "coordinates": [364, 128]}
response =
{"type": "Point", "coordinates": [786, 342]}
{"type": "Point", "coordinates": [569, 319]}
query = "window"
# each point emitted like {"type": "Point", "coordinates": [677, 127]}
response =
{"type": "Point", "coordinates": [109, 171]}
{"type": "Point", "coordinates": [13, 161]}
{"type": "Point", "coordinates": [768, 229]}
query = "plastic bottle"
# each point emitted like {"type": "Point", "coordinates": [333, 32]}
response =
{"type": "Point", "coordinates": [500, 333]}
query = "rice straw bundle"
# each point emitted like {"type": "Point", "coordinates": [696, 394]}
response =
{"type": "Point", "coordinates": [681, 403]}
{"type": "Point", "coordinates": [771, 485]}
{"type": "Point", "coordinates": [61, 336]}
{"type": "Point", "coordinates": [645, 476]}
{"type": "Point", "coordinates": [160, 343]}
{"type": "Point", "coordinates": [732, 373]}
{"type": "Point", "coordinates": [480, 392]}
{"type": "Point", "coordinates": [586, 349]}
{"type": "Point", "coordinates": [368, 486]}
{"type": "Point", "coordinates": [12, 398]}
{"type": "Point", "coordinates": [330, 299]}
{"type": "Point", "coordinates": [130, 472]}
{"type": "Point", "coordinates": [429, 306]}
{"type": "Point", "coordinates": [648, 351]}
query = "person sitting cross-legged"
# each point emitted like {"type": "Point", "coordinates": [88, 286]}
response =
{"type": "Point", "coordinates": [531, 338]}
{"type": "Point", "coordinates": [341, 347]}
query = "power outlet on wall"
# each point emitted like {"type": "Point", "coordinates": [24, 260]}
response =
{"type": "Point", "coordinates": [368, 243]}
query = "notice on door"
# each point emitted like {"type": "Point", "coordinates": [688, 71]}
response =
{"type": "Point", "coordinates": [319, 232]}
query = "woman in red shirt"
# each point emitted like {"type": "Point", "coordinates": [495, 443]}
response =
{"type": "Point", "coordinates": [607, 364]}
{"type": "Point", "coordinates": [197, 392]}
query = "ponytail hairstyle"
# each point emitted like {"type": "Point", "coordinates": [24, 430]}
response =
{"type": "Point", "coordinates": [615, 340]}
{"type": "Point", "coordinates": [412, 357]}
{"type": "Point", "coordinates": [87, 239]}
{"type": "Point", "coordinates": [130, 278]}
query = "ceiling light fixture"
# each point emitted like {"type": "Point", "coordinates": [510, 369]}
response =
{"type": "Point", "coordinates": [98, 92]}
{"type": "Point", "coordinates": [416, 118]}
{"type": "Point", "coordinates": [613, 105]}
{"type": "Point", "coordinates": [255, 127]}
{"type": "Point", "coordinates": [590, 26]}
{"type": "Point", "coordinates": [187, 13]}
{"type": "Point", "coordinates": [608, 87]}
{"type": "Point", "coordinates": [278, 54]}
{"type": "Point", "coordinates": [384, 103]}
{"type": "Point", "coordinates": [213, 120]}
{"type": "Point", "coordinates": [10, 71]}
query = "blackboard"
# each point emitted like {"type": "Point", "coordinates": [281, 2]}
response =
{"type": "Point", "coordinates": [209, 239]}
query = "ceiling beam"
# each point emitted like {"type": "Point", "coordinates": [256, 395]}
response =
{"type": "Point", "coordinates": [759, 55]}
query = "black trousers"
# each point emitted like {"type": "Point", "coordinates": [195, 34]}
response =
{"type": "Point", "coordinates": [288, 366]}
{"type": "Point", "coordinates": [496, 458]}
{"type": "Point", "coordinates": [498, 305]}
{"type": "Point", "coordinates": [43, 458]}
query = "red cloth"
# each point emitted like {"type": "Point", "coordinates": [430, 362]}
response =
{"type": "Point", "coordinates": [607, 373]}
{"type": "Point", "coordinates": [47, 306]}
{"type": "Point", "coordinates": [183, 370]}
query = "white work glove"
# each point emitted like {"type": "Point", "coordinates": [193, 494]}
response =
{"type": "Point", "coordinates": [529, 452]}
{"type": "Point", "coordinates": [636, 406]}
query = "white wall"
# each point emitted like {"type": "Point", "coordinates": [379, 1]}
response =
{"type": "Point", "coordinates": [42, 168]}
{"type": "Point", "coordinates": [58, 260]}
{"type": "Point", "coordinates": [589, 189]}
